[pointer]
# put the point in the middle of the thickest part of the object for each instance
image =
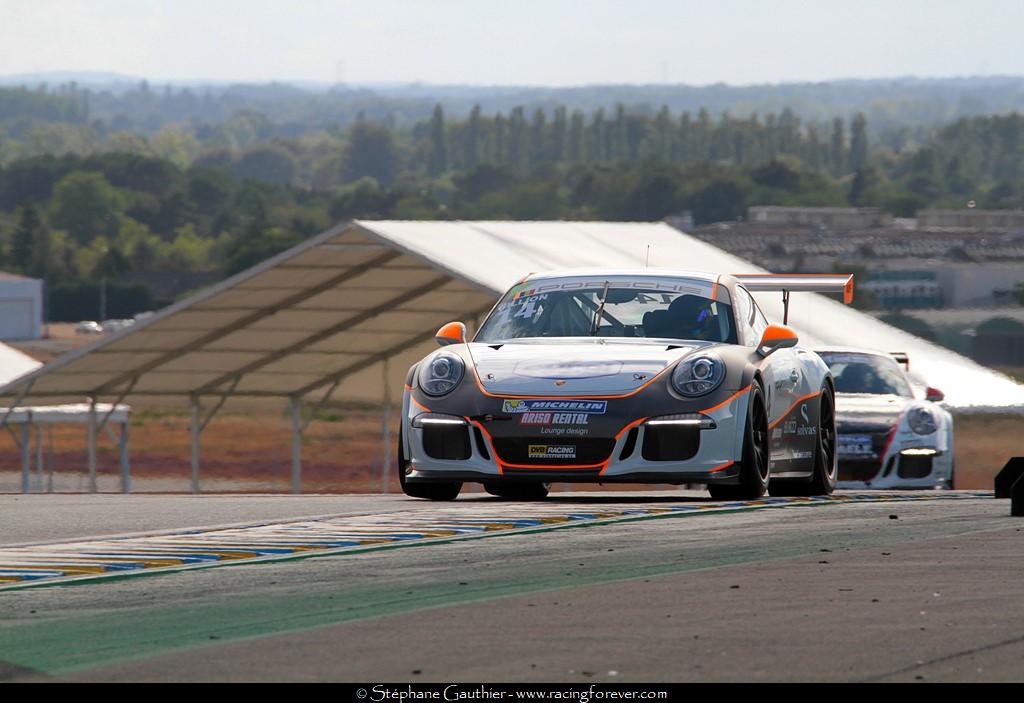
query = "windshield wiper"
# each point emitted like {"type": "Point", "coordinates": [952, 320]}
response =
{"type": "Point", "coordinates": [599, 312]}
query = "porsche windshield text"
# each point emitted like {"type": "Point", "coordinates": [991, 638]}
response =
{"type": "Point", "coordinates": [574, 308]}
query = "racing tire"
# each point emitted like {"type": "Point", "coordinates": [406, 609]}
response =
{"type": "Point", "coordinates": [754, 471]}
{"type": "Point", "coordinates": [826, 461]}
{"type": "Point", "coordinates": [826, 468]}
{"type": "Point", "coordinates": [533, 490]}
{"type": "Point", "coordinates": [446, 490]}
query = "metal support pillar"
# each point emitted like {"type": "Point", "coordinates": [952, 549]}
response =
{"type": "Point", "coordinates": [26, 452]}
{"type": "Point", "coordinates": [386, 433]}
{"type": "Point", "coordinates": [299, 426]}
{"type": "Point", "coordinates": [296, 407]}
{"type": "Point", "coordinates": [199, 424]}
{"type": "Point", "coordinates": [196, 429]}
{"type": "Point", "coordinates": [50, 461]}
{"type": "Point", "coordinates": [39, 459]}
{"type": "Point", "coordinates": [92, 444]}
{"type": "Point", "coordinates": [126, 470]}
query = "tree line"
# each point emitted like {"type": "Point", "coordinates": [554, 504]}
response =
{"type": "Point", "coordinates": [174, 205]}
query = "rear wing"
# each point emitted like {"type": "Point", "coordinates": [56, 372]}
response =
{"type": "Point", "coordinates": [902, 358]}
{"type": "Point", "coordinates": [800, 283]}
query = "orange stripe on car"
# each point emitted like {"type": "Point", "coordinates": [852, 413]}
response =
{"type": "Point", "coordinates": [490, 441]}
{"type": "Point", "coordinates": [792, 407]}
{"type": "Point", "coordinates": [574, 467]}
{"type": "Point", "coordinates": [502, 464]}
{"type": "Point", "coordinates": [630, 426]}
{"type": "Point", "coordinates": [728, 400]}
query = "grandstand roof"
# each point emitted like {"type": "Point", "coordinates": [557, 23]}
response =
{"type": "Point", "coordinates": [331, 310]}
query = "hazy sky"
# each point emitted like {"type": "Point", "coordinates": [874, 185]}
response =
{"type": "Point", "coordinates": [542, 42]}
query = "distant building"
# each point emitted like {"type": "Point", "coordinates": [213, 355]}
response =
{"type": "Point", "coordinates": [943, 284]}
{"type": "Point", "coordinates": [901, 289]}
{"type": "Point", "coordinates": [971, 219]}
{"type": "Point", "coordinates": [831, 217]}
{"type": "Point", "coordinates": [21, 307]}
{"type": "Point", "coordinates": [978, 285]}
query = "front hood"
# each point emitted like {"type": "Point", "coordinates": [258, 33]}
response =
{"type": "Point", "coordinates": [572, 368]}
{"type": "Point", "coordinates": [869, 411]}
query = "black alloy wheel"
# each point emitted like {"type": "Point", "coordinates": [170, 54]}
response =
{"type": "Point", "coordinates": [754, 471]}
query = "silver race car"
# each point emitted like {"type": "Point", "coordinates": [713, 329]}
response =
{"type": "Point", "coordinates": [892, 432]}
{"type": "Point", "coordinates": [650, 376]}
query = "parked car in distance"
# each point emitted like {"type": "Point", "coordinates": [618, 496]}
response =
{"type": "Point", "coordinates": [88, 327]}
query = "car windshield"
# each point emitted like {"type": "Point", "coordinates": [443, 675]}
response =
{"type": "Point", "coordinates": [867, 373]}
{"type": "Point", "coordinates": [573, 308]}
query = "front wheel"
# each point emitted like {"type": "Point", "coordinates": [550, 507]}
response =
{"type": "Point", "coordinates": [754, 465]}
{"type": "Point", "coordinates": [447, 490]}
{"type": "Point", "coordinates": [532, 490]}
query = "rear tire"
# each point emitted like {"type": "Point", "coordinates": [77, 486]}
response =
{"type": "Point", "coordinates": [754, 471]}
{"type": "Point", "coordinates": [447, 490]}
{"type": "Point", "coordinates": [533, 490]}
{"type": "Point", "coordinates": [823, 479]}
{"type": "Point", "coordinates": [826, 462]}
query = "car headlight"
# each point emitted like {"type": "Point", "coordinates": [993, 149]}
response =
{"type": "Point", "coordinates": [922, 421]}
{"type": "Point", "coordinates": [441, 373]}
{"type": "Point", "coordinates": [699, 375]}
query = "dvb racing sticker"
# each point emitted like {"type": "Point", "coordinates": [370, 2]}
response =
{"type": "Point", "coordinates": [588, 407]}
{"type": "Point", "coordinates": [552, 451]}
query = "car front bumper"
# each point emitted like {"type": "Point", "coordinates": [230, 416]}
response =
{"type": "Point", "coordinates": [918, 467]}
{"type": "Point", "coordinates": [639, 451]}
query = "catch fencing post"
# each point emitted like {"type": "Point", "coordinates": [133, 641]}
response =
{"type": "Point", "coordinates": [49, 462]}
{"type": "Point", "coordinates": [122, 448]}
{"type": "Point", "coordinates": [92, 445]}
{"type": "Point", "coordinates": [386, 433]}
{"type": "Point", "coordinates": [26, 448]}
{"type": "Point", "coordinates": [296, 407]}
{"type": "Point", "coordinates": [39, 459]}
{"type": "Point", "coordinates": [195, 443]}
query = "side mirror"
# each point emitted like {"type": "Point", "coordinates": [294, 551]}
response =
{"type": "Point", "coordinates": [934, 395]}
{"type": "Point", "coordinates": [776, 337]}
{"type": "Point", "coordinates": [452, 333]}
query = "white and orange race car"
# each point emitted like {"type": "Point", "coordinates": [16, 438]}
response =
{"type": "Point", "coordinates": [649, 376]}
{"type": "Point", "coordinates": [892, 430]}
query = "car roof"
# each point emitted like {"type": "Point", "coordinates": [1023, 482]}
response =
{"type": "Point", "coordinates": [839, 349]}
{"type": "Point", "coordinates": [627, 273]}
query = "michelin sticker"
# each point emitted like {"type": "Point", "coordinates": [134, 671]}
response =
{"type": "Point", "coordinates": [588, 407]}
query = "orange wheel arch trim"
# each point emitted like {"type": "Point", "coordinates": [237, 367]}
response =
{"type": "Point", "coordinates": [728, 400]}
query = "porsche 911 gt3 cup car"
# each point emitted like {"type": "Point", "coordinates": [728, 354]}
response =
{"type": "Point", "coordinates": [891, 431]}
{"type": "Point", "coordinates": [651, 376]}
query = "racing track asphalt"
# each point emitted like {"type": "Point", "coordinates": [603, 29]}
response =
{"type": "Point", "coordinates": [849, 591]}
